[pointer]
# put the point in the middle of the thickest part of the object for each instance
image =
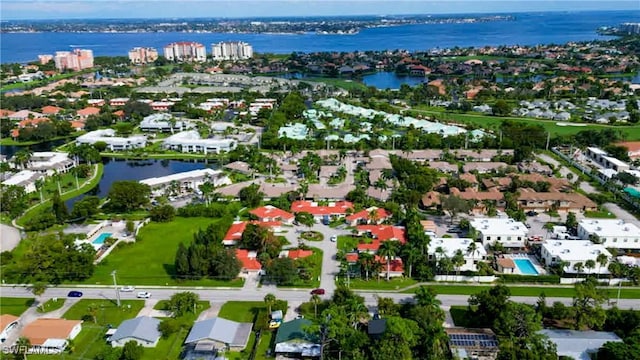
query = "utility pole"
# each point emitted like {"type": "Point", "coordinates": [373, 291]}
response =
{"type": "Point", "coordinates": [115, 287]}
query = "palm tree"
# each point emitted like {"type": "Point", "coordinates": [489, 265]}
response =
{"type": "Point", "coordinates": [590, 265]}
{"type": "Point", "coordinates": [602, 261]}
{"type": "Point", "coordinates": [38, 289]}
{"type": "Point", "coordinates": [471, 250]}
{"type": "Point", "coordinates": [411, 255]}
{"type": "Point", "coordinates": [439, 253]}
{"type": "Point", "coordinates": [366, 262]}
{"type": "Point", "coordinates": [269, 300]}
{"type": "Point", "coordinates": [39, 185]}
{"type": "Point", "coordinates": [315, 299]}
{"type": "Point", "coordinates": [23, 345]}
{"type": "Point", "coordinates": [458, 260]}
{"type": "Point", "coordinates": [562, 265]}
{"type": "Point", "coordinates": [388, 250]}
{"type": "Point", "coordinates": [446, 265]}
{"type": "Point", "coordinates": [22, 158]}
{"type": "Point", "coordinates": [579, 266]}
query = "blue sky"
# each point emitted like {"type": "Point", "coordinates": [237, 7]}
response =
{"type": "Point", "coordinates": [62, 9]}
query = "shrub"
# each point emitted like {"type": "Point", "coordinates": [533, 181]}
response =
{"type": "Point", "coordinates": [547, 279]}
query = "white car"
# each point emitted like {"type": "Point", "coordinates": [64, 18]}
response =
{"type": "Point", "coordinates": [143, 295]}
{"type": "Point", "coordinates": [127, 289]}
{"type": "Point", "coordinates": [334, 238]}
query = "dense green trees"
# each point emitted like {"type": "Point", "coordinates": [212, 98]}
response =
{"type": "Point", "coordinates": [85, 207]}
{"type": "Point", "coordinates": [125, 196]}
{"type": "Point", "coordinates": [251, 196]}
{"type": "Point", "coordinates": [162, 213]}
{"type": "Point", "coordinates": [183, 302]}
{"type": "Point", "coordinates": [14, 200]}
{"type": "Point", "coordinates": [52, 259]}
{"type": "Point", "coordinates": [282, 271]}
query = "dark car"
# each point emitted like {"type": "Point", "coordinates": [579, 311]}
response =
{"type": "Point", "coordinates": [317, 292]}
{"type": "Point", "coordinates": [74, 294]}
{"type": "Point", "coordinates": [531, 213]}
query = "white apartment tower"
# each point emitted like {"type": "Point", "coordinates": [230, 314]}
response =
{"type": "Point", "coordinates": [231, 50]}
{"type": "Point", "coordinates": [143, 55]}
{"type": "Point", "coordinates": [186, 52]}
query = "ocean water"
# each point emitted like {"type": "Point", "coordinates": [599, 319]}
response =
{"type": "Point", "coordinates": [526, 29]}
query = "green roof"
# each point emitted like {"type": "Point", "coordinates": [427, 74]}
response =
{"type": "Point", "coordinates": [294, 330]}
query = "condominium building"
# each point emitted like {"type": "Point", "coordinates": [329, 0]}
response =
{"type": "Point", "coordinates": [440, 247]}
{"type": "Point", "coordinates": [231, 50]}
{"type": "Point", "coordinates": [187, 182]}
{"type": "Point", "coordinates": [190, 142]}
{"type": "Point", "coordinates": [76, 60]}
{"type": "Point", "coordinates": [572, 252]}
{"type": "Point", "coordinates": [114, 143]}
{"type": "Point", "coordinates": [612, 233]}
{"type": "Point", "coordinates": [143, 55]}
{"type": "Point", "coordinates": [185, 51]}
{"type": "Point", "coordinates": [508, 232]}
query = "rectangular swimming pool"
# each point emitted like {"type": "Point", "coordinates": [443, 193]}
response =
{"type": "Point", "coordinates": [525, 266]}
{"type": "Point", "coordinates": [100, 239]}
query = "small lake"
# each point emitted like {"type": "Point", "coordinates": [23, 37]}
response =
{"type": "Point", "coordinates": [389, 80]}
{"type": "Point", "coordinates": [121, 169]}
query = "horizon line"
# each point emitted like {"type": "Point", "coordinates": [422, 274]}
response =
{"type": "Point", "coordinates": [319, 16]}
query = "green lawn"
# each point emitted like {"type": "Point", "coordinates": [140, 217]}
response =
{"type": "Point", "coordinates": [532, 290]}
{"type": "Point", "coordinates": [381, 284]}
{"type": "Point", "coordinates": [107, 312]}
{"type": "Point", "coordinates": [599, 214]}
{"type": "Point", "coordinates": [51, 305]}
{"type": "Point", "coordinates": [460, 316]}
{"type": "Point", "coordinates": [241, 311]}
{"type": "Point", "coordinates": [200, 306]}
{"type": "Point", "coordinates": [150, 260]}
{"type": "Point", "coordinates": [268, 336]}
{"type": "Point", "coordinates": [167, 349]}
{"type": "Point", "coordinates": [14, 306]}
{"type": "Point", "coordinates": [347, 243]}
{"type": "Point", "coordinates": [493, 122]}
{"type": "Point", "coordinates": [341, 83]}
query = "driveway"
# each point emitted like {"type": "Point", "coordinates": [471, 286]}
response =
{"type": "Point", "coordinates": [621, 213]}
{"type": "Point", "coordinates": [9, 237]}
{"type": "Point", "coordinates": [561, 168]}
{"type": "Point", "coordinates": [330, 266]}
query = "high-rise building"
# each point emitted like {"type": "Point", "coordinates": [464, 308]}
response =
{"type": "Point", "coordinates": [185, 51]}
{"type": "Point", "coordinates": [143, 55]}
{"type": "Point", "coordinates": [231, 50]}
{"type": "Point", "coordinates": [44, 59]}
{"type": "Point", "coordinates": [78, 59]}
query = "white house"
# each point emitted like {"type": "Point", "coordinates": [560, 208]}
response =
{"type": "Point", "coordinates": [508, 232]}
{"type": "Point", "coordinates": [163, 122]}
{"type": "Point", "coordinates": [188, 181]}
{"type": "Point", "coordinates": [451, 245]}
{"type": "Point", "coordinates": [114, 143]}
{"type": "Point", "coordinates": [613, 233]}
{"type": "Point", "coordinates": [8, 323]}
{"type": "Point", "coordinates": [25, 178]}
{"type": "Point", "coordinates": [143, 330]}
{"type": "Point", "coordinates": [190, 141]}
{"type": "Point", "coordinates": [49, 162]}
{"type": "Point", "coordinates": [573, 252]}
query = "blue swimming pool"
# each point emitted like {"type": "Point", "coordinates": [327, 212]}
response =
{"type": "Point", "coordinates": [525, 266]}
{"type": "Point", "coordinates": [100, 240]}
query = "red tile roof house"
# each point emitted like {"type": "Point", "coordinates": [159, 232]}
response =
{"type": "Point", "coordinates": [51, 335]}
{"type": "Point", "coordinates": [296, 254]}
{"type": "Point", "coordinates": [51, 110]}
{"type": "Point", "coordinates": [372, 215]}
{"type": "Point", "coordinates": [332, 210]}
{"type": "Point", "coordinates": [88, 111]}
{"type": "Point", "coordinates": [396, 267]}
{"type": "Point", "coordinates": [234, 234]}
{"type": "Point", "coordinates": [380, 233]}
{"type": "Point", "coordinates": [271, 213]}
{"type": "Point", "coordinates": [250, 263]}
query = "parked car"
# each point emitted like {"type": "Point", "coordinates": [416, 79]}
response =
{"type": "Point", "coordinates": [74, 294]}
{"type": "Point", "coordinates": [317, 292]}
{"type": "Point", "coordinates": [127, 289]}
{"type": "Point", "coordinates": [531, 213]}
{"type": "Point", "coordinates": [334, 238]}
{"type": "Point", "coordinates": [143, 295]}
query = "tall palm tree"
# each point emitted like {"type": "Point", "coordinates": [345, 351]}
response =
{"type": "Point", "coordinates": [366, 262]}
{"type": "Point", "coordinates": [472, 249]}
{"type": "Point", "coordinates": [269, 300]}
{"type": "Point", "coordinates": [562, 265]}
{"type": "Point", "coordinates": [602, 261]}
{"type": "Point", "coordinates": [579, 266]}
{"type": "Point", "coordinates": [388, 250]}
{"type": "Point", "coordinates": [22, 158]}
{"type": "Point", "coordinates": [458, 260]}
{"type": "Point", "coordinates": [411, 255]}
{"type": "Point", "coordinates": [315, 299]}
{"type": "Point", "coordinates": [590, 265]}
{"type": "Point", "coordinates": [23, 345]}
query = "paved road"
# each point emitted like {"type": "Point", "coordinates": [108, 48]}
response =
{"type": "Point", "coordinates": [561, 168]}
{"type": "Point", "coordinates": [292, 295]}
{"type": "Point", "coordinates": [9, 237]}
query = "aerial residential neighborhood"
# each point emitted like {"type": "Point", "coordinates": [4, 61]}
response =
{"type": "Point", "coordinates": [206, 197]}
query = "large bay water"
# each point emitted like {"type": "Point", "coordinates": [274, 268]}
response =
{"type": "Point", "coordinates": [526, 29]}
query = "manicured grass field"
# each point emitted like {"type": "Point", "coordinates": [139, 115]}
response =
{"type": "Point", "coordinates": [633, 293]}
{"type": "Point", "coordinates": [493, 123]}
{"type": "Point", "coordinates": [241, 311]}
{"type": "Point", "coordinates": [14, 306]}
{"type": "Point", "coordinates": [599, 214]}
{"type": "Point", "coordinates": [381, 284]}
{"type": "Point", "coordinates": [341, 83]}
{"type": "Point", "coordinates": [51, 305]}
{"type": "Point", "coordinates": [150, 261]}
{"type": "Point", "coordinates": [107, 312]}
